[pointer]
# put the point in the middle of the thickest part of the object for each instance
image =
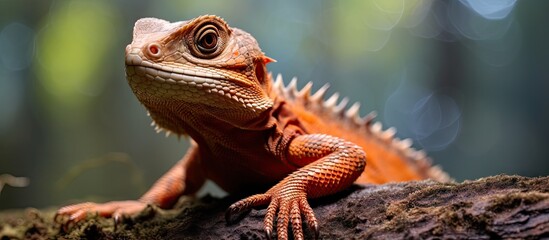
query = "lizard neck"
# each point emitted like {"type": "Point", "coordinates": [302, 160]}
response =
{"type": "Point", "coordinates": [203, 124]}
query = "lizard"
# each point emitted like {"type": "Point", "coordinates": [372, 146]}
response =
{"type": "Point", "coordinates": [250, 132]}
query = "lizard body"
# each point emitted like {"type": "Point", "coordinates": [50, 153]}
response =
{"type": "Point", "coordinates": [249, 131]}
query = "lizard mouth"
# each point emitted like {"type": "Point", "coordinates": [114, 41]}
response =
{"type": "Point", "coordinates": [148, 78]}
{"type": "Point", "coordinates": [189, 82]}
{"type": "Point", "coordinates": [135, 65]}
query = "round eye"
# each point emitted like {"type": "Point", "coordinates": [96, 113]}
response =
{"type": "Point", "coordinates": [153, 50]}
{"type": "Point", "coordinates": [207, 39]}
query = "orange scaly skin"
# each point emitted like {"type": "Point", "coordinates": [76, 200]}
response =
{"type": "Point", "coordinates": [209, 81]}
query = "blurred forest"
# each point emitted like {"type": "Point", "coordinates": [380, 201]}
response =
{"type": "Point", "coordinates": [468, 80]}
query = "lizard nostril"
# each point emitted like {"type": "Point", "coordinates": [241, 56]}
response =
{"type": "Point", "coordinates": [154, 50]}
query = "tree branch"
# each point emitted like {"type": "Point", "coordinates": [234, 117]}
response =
{"type": "Point", "coordinates": [494, 207]}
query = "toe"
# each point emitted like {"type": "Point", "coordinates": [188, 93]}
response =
{"type": "Point", "coordinates": [269, 217]}
{"type": "Point", "coordinates": [247, 204]}
{"type": "Point", "coordinates": [282, 220]}
{"type": "Point", "coordinates": [118, 209]}
{"type": "Point", "coordinates": [295, 218]}
{"type": "Point", "coordinates": [310, 218]}
{"type": "Point", "coordinates": [78, 215]}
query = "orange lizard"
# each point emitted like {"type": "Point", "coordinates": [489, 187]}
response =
{"type": "Point", "coordinates": [249, 132]}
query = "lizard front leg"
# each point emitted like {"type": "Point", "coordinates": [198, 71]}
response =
{"type": "Point", "coordinates": [185, 177]}
{"type": "Point", "coordinates": [333, 165]}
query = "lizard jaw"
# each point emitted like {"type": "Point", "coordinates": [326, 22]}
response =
{"type": "Point", "coordinates": [180, 83]}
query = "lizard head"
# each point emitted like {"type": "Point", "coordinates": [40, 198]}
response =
{"type": "Point", "coordinates": [200, 66]}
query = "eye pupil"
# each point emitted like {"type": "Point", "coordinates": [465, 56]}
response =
{"type": "Point", "coordinates": [207, 40]}
{"type": "Point", "coordinates": [153, 49]}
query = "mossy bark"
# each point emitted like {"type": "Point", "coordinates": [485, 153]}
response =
{"type": "Point", "coordinates": [494, 207]}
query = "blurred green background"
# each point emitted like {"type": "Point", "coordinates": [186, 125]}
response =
{"type": "Point", "coordinates": [467, 80]}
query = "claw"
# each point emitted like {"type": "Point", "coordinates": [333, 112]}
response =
{"type": "Point", "coordinates": [68, 225]}
{"type": "Point", "coordinates": [117, 219]}
{"type": "Point", "coordinates": [228, 214]}
{"type": "Point", "coordinates": [231, 211]}
{"type": "Point", "coordinates": [269, 234]}
{"type": "Point", "coordinates": [315, 229]}
{"type": "Point", "coordinates": [75, 217]}
{"type": "Point", "coordinates": [58, 218]}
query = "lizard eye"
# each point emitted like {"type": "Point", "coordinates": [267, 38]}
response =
{"type": "Point", "coordinates": [207, 39]}
{"type": "Point", "coordinates": [153, 50]}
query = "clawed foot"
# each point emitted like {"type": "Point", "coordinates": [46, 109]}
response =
{"type": "Point", "coordinates": [116, 209]}
{"type": "Point", "coordinates": [291, 206]}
